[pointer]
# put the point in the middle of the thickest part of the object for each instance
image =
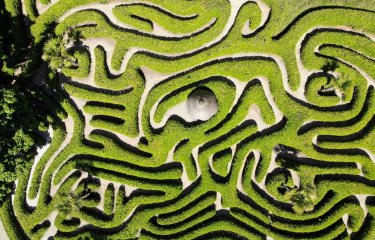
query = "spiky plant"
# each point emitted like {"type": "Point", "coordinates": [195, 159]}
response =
{"type": "Point", "coordinates": [68, 204]}
{"type": "Point", "coordinates": [55, 50]}
{"type": "Point", "coordinates": [303, 199]}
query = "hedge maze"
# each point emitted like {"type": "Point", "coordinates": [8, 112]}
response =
{"type": "Point", "coordinates": [289, 152]}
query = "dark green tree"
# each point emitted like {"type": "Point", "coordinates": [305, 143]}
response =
{"type": "Point", "coordinates": [302, 199]}
{"type": "Point", "coordinates": [18, 136]}
{"type": "Point", "coordinates": [68, 204]}
{"type": "Point", "coordinates": [335, 85]}
{"type": "Point", "coordinates": [21, 118]}
{"type": "Point", "coordinates": [55, 51]}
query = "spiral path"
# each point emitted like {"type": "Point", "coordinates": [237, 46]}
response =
{"type": "Point", "coordinates": [186, 118]}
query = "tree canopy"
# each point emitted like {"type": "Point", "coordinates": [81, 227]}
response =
{"type": "Point", "coordinates": [21, 120]}
{"type": "Point", "coordinates": [19, 125]}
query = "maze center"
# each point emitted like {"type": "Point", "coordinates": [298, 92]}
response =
{"type": "Point", "coordinates": [230, 119]}
{"type": "Point", "coordinates": [202, 104]}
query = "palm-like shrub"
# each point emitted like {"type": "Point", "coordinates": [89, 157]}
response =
{"type": "Point", "coordinates": [68, 204]}
{"type": "Point", "coordinates": [55, 51]}
{"type": "Point", "coordinates": [303, 199]}
{"type": "Point", "coordinates": [52, 54]}
{"type": "Point", "coordinates": [337, 85]}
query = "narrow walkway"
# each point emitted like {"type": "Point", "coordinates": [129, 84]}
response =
{"type": "Point", "coordinates": [3, 233]}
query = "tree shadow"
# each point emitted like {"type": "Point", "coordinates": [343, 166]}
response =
{"type": "Point", "coordinates": [329, 66]}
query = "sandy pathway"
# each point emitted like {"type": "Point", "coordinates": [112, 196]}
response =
{"type": "Point", "coordinates": [3, 233]}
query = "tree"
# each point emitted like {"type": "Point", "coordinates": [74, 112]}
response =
{"type": "Point", "coordinates": [334, 86]}
{"type": "Point", "coordinates": [56, 53]}
{"type": "Point", "coordinates": [13, 40]}
{"type": "Point", "coordinates": [18, 125]}
{"type": "Point", "coordinates": [68, 204]}
{"type": "Point", "coordinates": [21, 119]}
{"type": "Point", "coordinates": [303, 199]}
{"type": "Point", "coordinates": [73, 36]}
{"type": "Point", "coordinates": [329, 66]}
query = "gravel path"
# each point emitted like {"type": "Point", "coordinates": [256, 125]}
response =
{"type": "Point", "coordinates": [41, 151]}
{"type": "Point", "coordinates": [3, 233]}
